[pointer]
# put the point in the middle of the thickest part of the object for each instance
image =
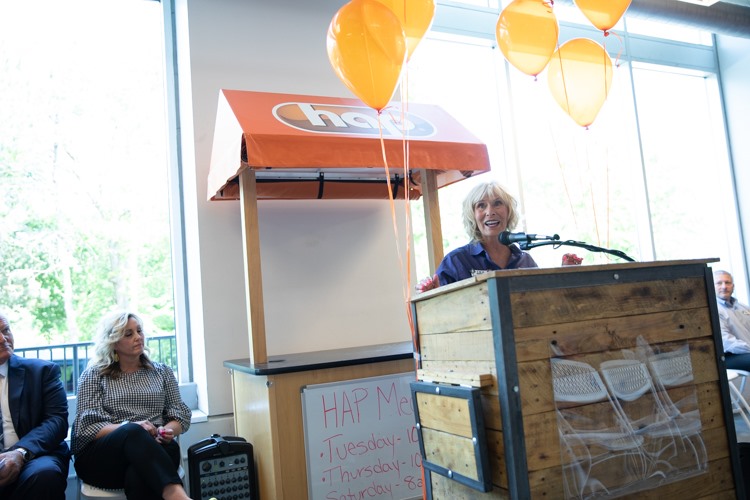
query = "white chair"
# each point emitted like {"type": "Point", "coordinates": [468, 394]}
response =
{"type": "Point", "coordinates": [675, 443]}
{"type": "Point", "coordinates": [744, 375]}
{"type": "Point", "coordinates": [87, 491]}
{"type": "Point", "coordinates": [628, 380]}
{"type": "Point", "coordinates": [739, 403]}
{"type": "Point", "coordinates": [671, 368]}
{"type": "Point", "coordinates": [586, 439]}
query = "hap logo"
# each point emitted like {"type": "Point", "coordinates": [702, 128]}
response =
{"type": "Point", "coordinates": [360, 120]}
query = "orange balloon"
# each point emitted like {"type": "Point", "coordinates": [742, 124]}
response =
{"type": "Point", "coordinates": [579, 76]}
{"type": "Point", "coordinates": [527, 33]}
{"type": "Point", "coordinates": [603, 14]}
{"type": "Point", "coordinates": [367, 49]}
{"type": "Point", "coordinates": [416, 17]}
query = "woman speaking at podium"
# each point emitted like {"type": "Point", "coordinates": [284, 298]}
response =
{"type": "Point", "coordinates": [488, 211]}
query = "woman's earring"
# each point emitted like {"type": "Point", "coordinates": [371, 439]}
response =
{"type": "Point", "coordinates": [116, 357]}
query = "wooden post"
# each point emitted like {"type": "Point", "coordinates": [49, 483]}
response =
{"type": "Point", "coordinates": [253, 278]}
{"type": "Point", "coordinates": [433, 228]}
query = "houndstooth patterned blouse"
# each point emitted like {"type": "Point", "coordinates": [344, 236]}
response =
{"type": "Point", "coordinates": [147, 394]}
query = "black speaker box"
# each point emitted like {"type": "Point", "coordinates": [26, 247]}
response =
{"type": "Point", "coordinates": [222, 467]}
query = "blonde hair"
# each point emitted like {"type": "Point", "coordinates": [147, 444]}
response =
{"type": "Point", "coordinates": [110, 330]}
{"type": "Point", "coordinates": [493, 190]}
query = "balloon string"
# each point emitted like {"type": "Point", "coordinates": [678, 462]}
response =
{"type": "Point", "coordinates": [619, 51]}
{"type": "Point", "coordinates": [562, 170]}
{"type": "Point", "coordinates": [605, 56]}
{"type": "Point", "coordinates": [606, 171]}
{"type": "Point", "coordinates": [407, 194]}
{"type": "Point", "coordinates": [407, 198]}
{"type": "Point", "coordinates": [557, 154]}
{"type": "Point", "coordinates": [407, 224]}
{"type": "Point", "coordinates": [609, 194]}
{"type": "Point", "coordinates": [395, 227]}
{"type": "Point", "coordinates": [562, 75]}
{"type": "Point", "coordinates": [593, 199]}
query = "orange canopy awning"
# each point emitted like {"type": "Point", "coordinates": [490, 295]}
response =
{"type": "Point", "coordinates": [306, 147]}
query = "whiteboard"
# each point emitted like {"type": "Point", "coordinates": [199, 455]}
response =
{"type": "Point", "coordinates": [361, 440]}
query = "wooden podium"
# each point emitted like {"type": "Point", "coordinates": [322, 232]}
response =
{"type": "Point", "coordinates": [520, 326]}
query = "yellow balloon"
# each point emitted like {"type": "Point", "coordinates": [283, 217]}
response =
{"type": "Point", "coordinates": [527, 32]}
{"type": "Point", "coordinates": [416, 17]}
{"type": "Point", "coordinates": [579, 76]}
{"type": "Point", "coordinates": [367, 49]}
{"type": "Point", "coordinates": [603, 14]}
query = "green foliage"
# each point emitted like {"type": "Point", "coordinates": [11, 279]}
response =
{"type": "Point", "coordinates": [84, 211]}
{"type": "Point", "coordinates": [48, 309]}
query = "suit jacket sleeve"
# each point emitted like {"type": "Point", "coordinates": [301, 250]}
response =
{"type": "Point", "coordinates": [39, 406]}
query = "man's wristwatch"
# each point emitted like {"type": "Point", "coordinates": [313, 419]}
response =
{"type": "Point", "coordinates": [24, 453]}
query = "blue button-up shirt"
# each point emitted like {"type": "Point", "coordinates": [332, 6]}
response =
{"type": "Point", "coordinates": [468, 260]}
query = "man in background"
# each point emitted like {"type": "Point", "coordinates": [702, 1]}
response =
{"type": "Point", "coordinates": [734, 319]}
{"type": "Point", "coordinates": [34, 457]}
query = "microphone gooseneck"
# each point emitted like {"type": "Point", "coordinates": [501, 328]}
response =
{"type": "Point", "coordinates": [507, 238]}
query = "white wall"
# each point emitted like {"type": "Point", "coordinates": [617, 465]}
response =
{"type": "Point", "coordinates": [277, 46]}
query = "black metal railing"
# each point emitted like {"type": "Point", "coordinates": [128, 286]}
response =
{"type": "Point", "coordinates": [73, 358]}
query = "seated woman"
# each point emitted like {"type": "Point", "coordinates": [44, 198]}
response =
{"type": "Point", "coordinates": [488, 211]}
{"type": "Point", "coordinates": [129, 414]}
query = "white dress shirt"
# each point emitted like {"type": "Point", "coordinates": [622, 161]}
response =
{"type": "Point", "coordinates": [734, 319]}
{"type": "Point", "coordinates": [9, 432]}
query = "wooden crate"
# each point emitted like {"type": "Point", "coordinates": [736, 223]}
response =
{"type": "Point", "coordinates": [511, 324]}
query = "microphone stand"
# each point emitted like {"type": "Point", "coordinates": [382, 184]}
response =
{"type": "Point", "coordinates": [557, 243]}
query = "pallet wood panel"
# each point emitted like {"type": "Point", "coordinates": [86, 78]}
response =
{"type": "Point", "coordinates": [548, 483]}
{"type": "Point", "coordinates": [565, 305]}
{"type": "Point", "coordinates": [442, 487]}
{"type": "Point", "coordinates": [718, 479]}
{"type": "Point", "coordinates": [454, 377]}
{"type": "Point", "coordinates": [474, 345]}
{"type": "Point", "coordinates": [593, 324]}
{"type": "Point", "coordinates": [448, 414]}
{"type": "Point", "coordinates": [450, 451]}
{"type": "Point", "coordinates": [610, 334]}
{"type": "Point", "coordinates": [465, 309]}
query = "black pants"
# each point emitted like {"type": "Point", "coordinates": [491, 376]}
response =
{"type": "Point", "coordinates": [130, 458]}
{"type": "Point", "coordinates": [737, 361]}
{"type": "Point", "coordinates": [44, 478]}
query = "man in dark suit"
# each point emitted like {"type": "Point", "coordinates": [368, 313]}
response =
{"type": "Point", "coordinates": [34, 457]}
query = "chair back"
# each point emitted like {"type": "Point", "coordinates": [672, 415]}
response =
{"type": "Point", "coordinates": [627, 379]}
{"type": "Point", "coordinates": [576, 382]}
{"type": "Point", "coordinates": [672, 368]}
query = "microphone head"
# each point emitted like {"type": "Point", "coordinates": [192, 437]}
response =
{"type": "Point", "coordinates": [507, 238]}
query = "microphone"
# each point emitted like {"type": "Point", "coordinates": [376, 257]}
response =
{"type": "Point", "coordinates": [506, 238]}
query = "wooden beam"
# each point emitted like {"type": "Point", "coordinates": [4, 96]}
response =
{"type": "Point", "coordinates": [433, 228]}
{"type": "Point", "coordinates": [253, 277]}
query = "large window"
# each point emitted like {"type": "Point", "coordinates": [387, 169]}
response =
{"type": "Point", "coordinates": [685, 160]}
{"type": "Point", "coordinates": [83, 167]}
{"type": "Point", "coordinates": [651, 176]}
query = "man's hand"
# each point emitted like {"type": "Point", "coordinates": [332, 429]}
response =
{"type": "Point", "coordinates": [11, 463]}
